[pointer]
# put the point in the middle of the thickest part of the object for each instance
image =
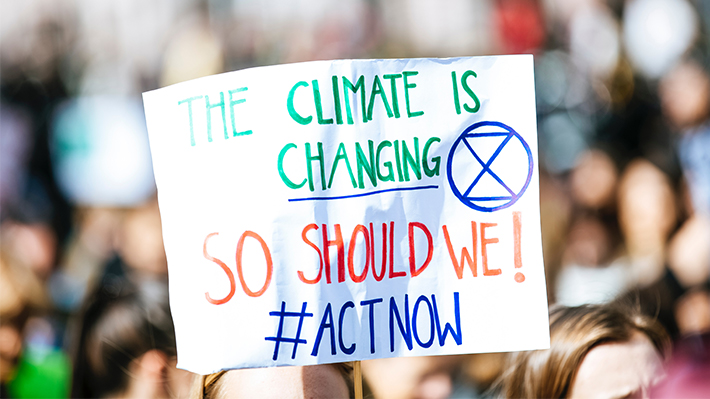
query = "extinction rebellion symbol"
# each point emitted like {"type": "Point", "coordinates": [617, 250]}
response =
{"type": "Point", "coordinates": [489, 166]}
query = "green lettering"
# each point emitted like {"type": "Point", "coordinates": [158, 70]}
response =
{"type": "Point", "coordinates": [470, 92]}
{"type": "Point", "coordinates": [310, 158]}
{"type": "Point", "coordinates": [319, 106]}
{"type": "Point", "coordinates": [360, 84]}
{"type": "Point", "coordinates": [408, 86]}
{"type": "Point", "coordinates": [292, 111]}
{"type": "Point", "coordinates": [436, 160]}
{"type": "Point", "coordinates": [457, 104]}
{"type": "Point", "coordinates": [341, 154]}
{"type": "Point", "coordinates": [393, 79]}
{"type": "Point", "coordinates": [377, 89]}
{"type": "Point", "coordinates": [336, 101]}
{"type": "Point", "coordinates": [398, 161]}
{"type": "Point", "coordinates": [413, 162]}
{"type": "Point", "coordinates": [363, 164]}
{"type": "Point", "coordinates": [285, 178]}
{"type": "Point", "coordinates": [388, 164]}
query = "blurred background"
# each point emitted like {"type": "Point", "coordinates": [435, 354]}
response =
{"type": "Point", "coordinates": [623, 105]}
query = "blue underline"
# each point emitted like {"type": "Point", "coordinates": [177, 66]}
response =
{"type": "Point", "coordinates": [363, 194]}
{"type": "Point", "coordinates": [489, 134]}
{"type": "Point", "coordinates": [489, 198]}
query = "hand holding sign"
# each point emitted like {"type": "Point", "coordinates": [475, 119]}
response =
{"type": "Point", "coordinates": [345, 210]}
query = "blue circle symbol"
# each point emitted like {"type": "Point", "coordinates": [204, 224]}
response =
{"type": "Point", "coordinates": [471, 195]}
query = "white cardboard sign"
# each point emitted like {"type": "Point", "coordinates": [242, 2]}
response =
{"type": "Point", "coordinates": [335, 211]}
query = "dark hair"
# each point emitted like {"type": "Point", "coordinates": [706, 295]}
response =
{"type": "Point", "coordinates": [574, 331]}
{"type": "Point", "coordinates": [121, 321]}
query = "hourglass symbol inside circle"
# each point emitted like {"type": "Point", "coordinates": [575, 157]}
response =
{"type": "Point", "coordinates": [489, 166]}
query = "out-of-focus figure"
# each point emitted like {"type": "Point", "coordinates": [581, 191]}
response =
{"type": "Point", "coordinates": [688, 372]}
{"type": "Point", "coordinates": [685, 97]}
{"type": "Point", "coordinates": [417, 377]}
{"type": "Point", "coordinates": [595, 351]}
{"type": "Point", "coordinates": [689, 252]}
{"type": "Point", "coordinates": [32, 362]}
{"type": "Point", "coordinates": [125, 344]}
{"type": "Point", "coordinates": [647, 215]}
{"type": "Point", "coordinates": [657, 33]}
{"type": "Point", "coordinates": [593, 180]}
{"type": "Point", "coordinates": [588, 276]}
{"type": "Point", "coordinates": [588, 273]}
{"type": "Point", "coordinates": [100, 152]}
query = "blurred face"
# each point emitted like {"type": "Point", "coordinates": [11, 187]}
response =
{"type": "Point", "coordinates": [619, 370]}
{"type": "Point", "coordinates": [142, 244]}
{"type": "Point", "coordinates": [685, 94]}
{"type": "Point", "coordinates": [322, 381]}
{"type": "Point", "coordinates": [589, 243]}
{"type": "Point", "coordinates": [426, 377]}
{"type": "Point", "coordinates": [646, 207]}
{"type": "Point", "coordinates": [593, 180]}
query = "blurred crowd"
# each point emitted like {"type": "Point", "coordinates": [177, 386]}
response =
{"type": "Point", "coordinates": [623, 104]}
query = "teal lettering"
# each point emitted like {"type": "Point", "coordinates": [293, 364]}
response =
{"type": "Point", "coordinates": [232, 103]}
{"type": "Point", "coordinates": [209, 116]}
{"type": "Point", "coordinates": [189, 113]}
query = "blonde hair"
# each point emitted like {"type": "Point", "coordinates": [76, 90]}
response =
{"type": "Point", "coordinates": [212, 386]}
{"type": "Point", "coordinates": [574, 331]}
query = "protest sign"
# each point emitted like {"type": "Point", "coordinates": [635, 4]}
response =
{"type": "Point", "coordinates": [335, 211]}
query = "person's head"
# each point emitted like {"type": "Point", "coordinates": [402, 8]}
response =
{"type": "Point", "coordinates": [321, 381]}
{"type": "Point", "coordinates": [126, 342]}
{"type": "Point", "coordinates": [595, 351]}
{"type": "Point", "coordinates": [593, 180]}
{"type": "Point", "coordinates": [685, 94]}
{"type": "Point", "coordinates": [647, 209]}
{"type": "Point", "coordinates": [141, 240]}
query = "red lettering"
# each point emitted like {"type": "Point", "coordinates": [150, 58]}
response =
{"type": "Point", "coordinates": [458, 267]}
{"type": "Point", "coordinates": [518, 257]}
{"type": "Point", "coordinates": [341, 253]}
{"type": "Point", "coordinates": [384, 251]}
{"type": "Point", "coordinates": [351, 254]}
{"type": "Point", "coordinates": [269, 264]}
{"type": "Point", "coordinates": [301, 276]}
{"type": "Point", "coordinates": [232, 284]}
{"type": "Point", "coordinates": [484, 252]}
{"type": "Point", "coordinates": [430, 249]}
{"type": "Point", "coordinates": [393, 273]}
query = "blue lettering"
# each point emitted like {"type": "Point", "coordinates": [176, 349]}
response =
{"type": "Point", "coordinates": [406, 329]}
{"type": "Point", "coordinates": [447, 327]}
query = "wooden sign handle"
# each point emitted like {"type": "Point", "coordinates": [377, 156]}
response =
{"type": "Point", "coordinates": [357, 380]}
